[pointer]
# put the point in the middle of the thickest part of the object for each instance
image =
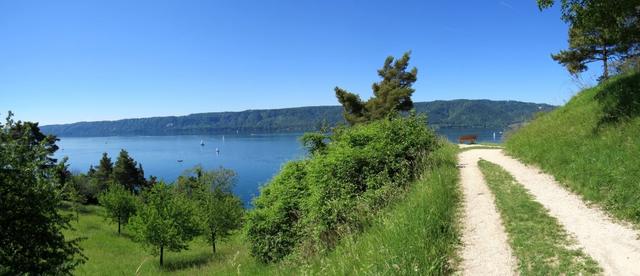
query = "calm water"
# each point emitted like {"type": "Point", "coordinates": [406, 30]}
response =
{"type": "Point", "coordinates": [255, 158]}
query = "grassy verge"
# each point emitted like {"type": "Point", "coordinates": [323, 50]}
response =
{"type": "Point", "coordinates": [599, 161]}
{"type": "Point", "coordinates": [538, 240]}
{"type": "Point", "coordinates": [418, 235]}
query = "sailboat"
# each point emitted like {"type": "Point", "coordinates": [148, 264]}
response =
{"type": "Point", "coordinates": [201, 142]}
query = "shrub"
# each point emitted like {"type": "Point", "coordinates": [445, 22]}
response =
{"type": "Point", "coordinates": [312, 203]}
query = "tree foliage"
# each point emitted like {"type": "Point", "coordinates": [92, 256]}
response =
{"type": "Point", "coordinates": [119, 203]}
{"type": "Point", "coordinates": [599, 30]}
{"type": "Point", "coordinates": [128, 173]}
{"type": "Point", "coordinates": [105, 169]}
{"type": "Point", "coordinates": [167, 220]}
{"type": "Point", "coordinates": [392, 94]}
{"type": "Point", "coordinates": [219, 210]}
{"type": "Point", "coordinates": [31, 238]}
{"type": "Point", "coordinates": [220, 213]}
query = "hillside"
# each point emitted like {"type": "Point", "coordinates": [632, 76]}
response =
{"type": "Point", "coordinates": [455, 113]}
{"type": "Point", "coordinates": [592, 145]}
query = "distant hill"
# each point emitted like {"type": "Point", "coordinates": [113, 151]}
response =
{"type": "Point", "coordinates": [454, 113]}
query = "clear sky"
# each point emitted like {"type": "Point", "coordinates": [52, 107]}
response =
{"type": "Point", "coordinates": [68, 61]}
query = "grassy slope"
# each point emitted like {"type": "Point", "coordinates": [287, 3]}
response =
{"type": "Point", "coordinates": [418, 235]}
{"type": "Point", "coordinates": [540, 243]}
{"type": "Point", "coordinates": [603, 165]}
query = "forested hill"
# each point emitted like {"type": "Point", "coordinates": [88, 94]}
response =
{"type": "Point", "coordinates": [455, 113]}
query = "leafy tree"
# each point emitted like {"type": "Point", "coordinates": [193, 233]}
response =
{"type": "Point", "coordinates": [599, 30]}
{"type": "Point", "coordinates": [316, 142]}
{"type": "Point", "coordinates": [31, 238]}
{"type": "Point", "coordinates": [89, 188]}
{"type": "Point", "coordinates": [119, 203]}
{"type": "Point", "coordinates": [75, 198]}
{"type": "Point", "coordinates": [218, 208]}
{"type": "Point", "coordinates": [220, 214]}
{"type": "Point", "coordinates": [392, 94]}
{"type": "Point", "coordinates": [105, 169]}
{"type": "Point", "coordinates": [166, 220]}
{"type": "Point", "coordinates": [62, 173]}
{"type": "Point", "coordinates": [127, 173]}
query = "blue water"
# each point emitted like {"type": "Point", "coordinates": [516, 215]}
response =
{"type": "Point", "coordinates": [255, 158]}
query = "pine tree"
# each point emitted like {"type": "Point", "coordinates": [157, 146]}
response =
{"type": "Point", "coordinates": [105, 169]}
{"type": "Point", "coordinates": [127, 173]}
{"type": "Point", "coordinates": [391, 95]}
{"type": "Point", "coordinates": [599, 30]}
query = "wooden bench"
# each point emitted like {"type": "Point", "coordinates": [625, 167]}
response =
{"type": "Point", "coordinates": [468, 138]}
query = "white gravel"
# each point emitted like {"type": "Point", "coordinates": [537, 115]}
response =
{"type": "Point", "coordinates": [485, 251]}
{"type": "Point", "coordinates": [613, 244]}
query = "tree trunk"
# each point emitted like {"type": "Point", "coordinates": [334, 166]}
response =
{"type": "Point", "coordinates": [605, 59]}
{"type": "Point", "coordinates": [213, 242]}
{"type": "Point", "coordinates": [161, 255]}
{"type": "Point", "coordinates": [118, 226]}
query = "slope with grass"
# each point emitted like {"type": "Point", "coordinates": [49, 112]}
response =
{"type": "Point", "coordinates": [592, 145]}
{"type": "Point", "coordinates": [416, 235]}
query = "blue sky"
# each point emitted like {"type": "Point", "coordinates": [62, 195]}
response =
{"type": "Point", "coordinates": [68, 61]}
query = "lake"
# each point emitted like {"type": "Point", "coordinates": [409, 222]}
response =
{"type": "Point", "coordinates": [255, 158]}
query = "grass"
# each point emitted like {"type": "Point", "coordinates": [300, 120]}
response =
{"type": "Point", "coordinates": [110, 254]}
{"type": "Point", "coordinates": [417, 235]}
{"type": "Point", "coordinates": [599, 161]}
{"type": "Point", "coordinates": [541, 245]}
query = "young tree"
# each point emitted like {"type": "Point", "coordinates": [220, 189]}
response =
{"type": "Point", "coordinates": [31, 238]}
{"type": "Point", "coordinates": [127, 173]}
{"type": "Point", "coordinates": [75, 197]}
{"type": "Point", "coordinates": [392, 94]}
{"type": "Point", "coordinates": [119, 203]}
{"type": "Point", "coordinates": [220, 214]}
{"type": "Point", "coordinates": [599, 30]}
{"type": "Point", "coordinates": [105, 169]}
{"type": "Point", "coordinates": [167, 220]}
{"type": "Point", "coordinates": [219, 210]}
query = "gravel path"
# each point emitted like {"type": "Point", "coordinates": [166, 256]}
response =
{"type": "Point", "coordinates": [614, 245]}
{"type": "Point", "coordinates": [485, 251]}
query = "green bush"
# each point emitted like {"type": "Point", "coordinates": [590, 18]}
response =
{"type": "Point", "coordinates": [312, 203]}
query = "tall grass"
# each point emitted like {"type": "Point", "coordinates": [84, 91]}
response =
{"type": "Point", "coordinates": [600, 161]}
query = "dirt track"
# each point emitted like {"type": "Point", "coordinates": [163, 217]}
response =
{"type": "Point", "coordinates": [614, 245]}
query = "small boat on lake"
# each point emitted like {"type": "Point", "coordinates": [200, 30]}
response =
{"type": "Point", "coordinates": [201, 142]}
{"type": "Point", "coordinates": [180, 160]}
